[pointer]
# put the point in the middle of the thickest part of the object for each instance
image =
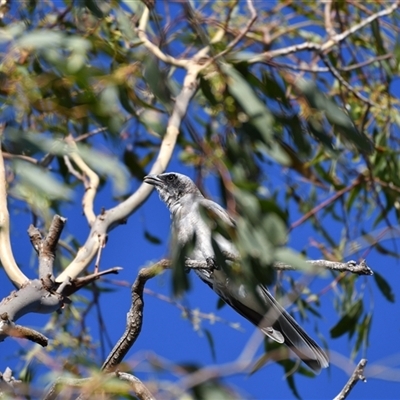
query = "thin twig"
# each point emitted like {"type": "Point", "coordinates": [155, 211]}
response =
{"type": "Point", "coordinates": [242, 34]}
{"type": "Point", "coordinates": [347, 85]}
{"type": "Point", "coordinates": [327, 202]}
{"type": "Point", "coordinates": [348, 68]}
{"type": "Point", "coordinates": [349, 266]}
{"type": "Point", "coordinates": [358, 375]}
{"type": "Point", "coordinates": [324, 47]}
{"type": "Point", "coordinates": [89, 134]}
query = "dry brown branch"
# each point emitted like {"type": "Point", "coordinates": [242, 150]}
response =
{"type": "Point", "coordinates": [358, 375]}
{"type": "Point", "coordinates": [22, 332]}
{"type": "Point", "coordinates": [325, 203]}
{"type": "Point", "coordinates": [76, 284]}
{"type": "Point", "coordinates": [134, 317]}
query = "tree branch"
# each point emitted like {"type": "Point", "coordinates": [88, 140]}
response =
{"type": "Point", "coordinates": [90, 186]}
{"type": "Point", "coordinates": [347, 85]}
{"type": "Point", "coordinates": [6, 255]}
{"type": "Point", "coordinates": [140, 390]}
{"type": "Point", "coordinates": [22, 332]}
{"type": "Point", "coordinates": [349, 266]}
{"type": "Point", "coordinates": [327, 202]}
{"type": "Point", "coordinates": [358, 375]}
{"type": "Point", "coordinates": [8, 383]}
{"type": "Point", "coordinates": [134, 318]}
{"type": "Point", "coordinates": [46, 248]}
{"type": "Point", "coordinates": [304, 67]}
{"type": "Point", "coordinates": [36, 296]}
{"type": "Point", "coordinates": [324, 47]}
{"type": "Point", "coordinates": [141, 32]}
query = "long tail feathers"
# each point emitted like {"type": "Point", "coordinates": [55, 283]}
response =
{"type": "Point", "coordinates": [295, 337]}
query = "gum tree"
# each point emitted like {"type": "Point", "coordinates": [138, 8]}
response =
{"type": "Point", "coordinates": [291, 106]}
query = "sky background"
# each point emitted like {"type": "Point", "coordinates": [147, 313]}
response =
{"type": "Point", "coordinates": [169, 336]}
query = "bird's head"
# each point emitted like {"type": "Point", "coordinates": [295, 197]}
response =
{"type": "Point", "coordinates": [172, 187]}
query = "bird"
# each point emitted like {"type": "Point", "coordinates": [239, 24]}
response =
{"type": "Point", "coordinates": [185, 203]}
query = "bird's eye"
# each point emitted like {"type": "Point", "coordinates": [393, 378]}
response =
{"type": "Point", "coordinates": [171, 177]}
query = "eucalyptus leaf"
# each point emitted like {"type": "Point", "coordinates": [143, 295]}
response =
{"type": "Point", "coordinates": [259, 115]}
{"type": "Point", "coordinates": [335, 116]}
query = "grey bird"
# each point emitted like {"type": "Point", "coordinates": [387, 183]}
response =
{"type": "Point", "coordinates": [185, 201]}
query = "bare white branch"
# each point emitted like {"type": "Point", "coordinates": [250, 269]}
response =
{"type": "Point", "coordinates": [6, 255]}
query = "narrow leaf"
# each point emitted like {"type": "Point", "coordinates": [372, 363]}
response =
{"type": "Point", "coordinates": [384, 287]}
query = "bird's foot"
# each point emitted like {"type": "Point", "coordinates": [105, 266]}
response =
{"type": "Point", "coordinates": [211, 264]}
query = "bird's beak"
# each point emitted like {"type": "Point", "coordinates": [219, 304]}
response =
{"type": "Point", "coordinates": [152, 180]}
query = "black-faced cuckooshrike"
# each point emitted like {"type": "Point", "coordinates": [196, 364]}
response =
{"type": "Point", "coordinates": [184, 201]}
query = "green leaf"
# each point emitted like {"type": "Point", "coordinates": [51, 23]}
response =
{"type": "Point", "coordinates": [210, 340]}
{"type": "Point", "coordinates": [275, 229]}
{"type": "Point", "coordinates": [363, 333]}
{"type": "Point", "coordinates": [180, 281]}
{"type": "Point", "coordinates": [273, 89]}
{"type": "Point", "coordinates": [157, 81]}
{"type": "Point", "coordinates": [41, 181]}
{"type": "Point", "coordinates": [93, 7]}
{"type": "Point", "coordinates": [341, 121]}
{"type": "Point", "coordinates": [133, 164]}
{"type": "Point", "coordinates": [292, 385]}
{"type": "Point", "coordinates": [151, 238]}
{"type": "Point", "coordinates": [384, 287]}
{"type": "Point", "coordinates": [41, 39]}
{"type": "Point", "coordinates": [220, 303]}
{"type": "Point", "coordinates": [107, 165]}
{"type": "Point", "coordinates": [259, 115]}
{"type": "Point", "coordinates": [348, 322]}
{"type": "Point", "coordinates": [376, 32]}
{"type": "Point", "coordinates": [125, 25]}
